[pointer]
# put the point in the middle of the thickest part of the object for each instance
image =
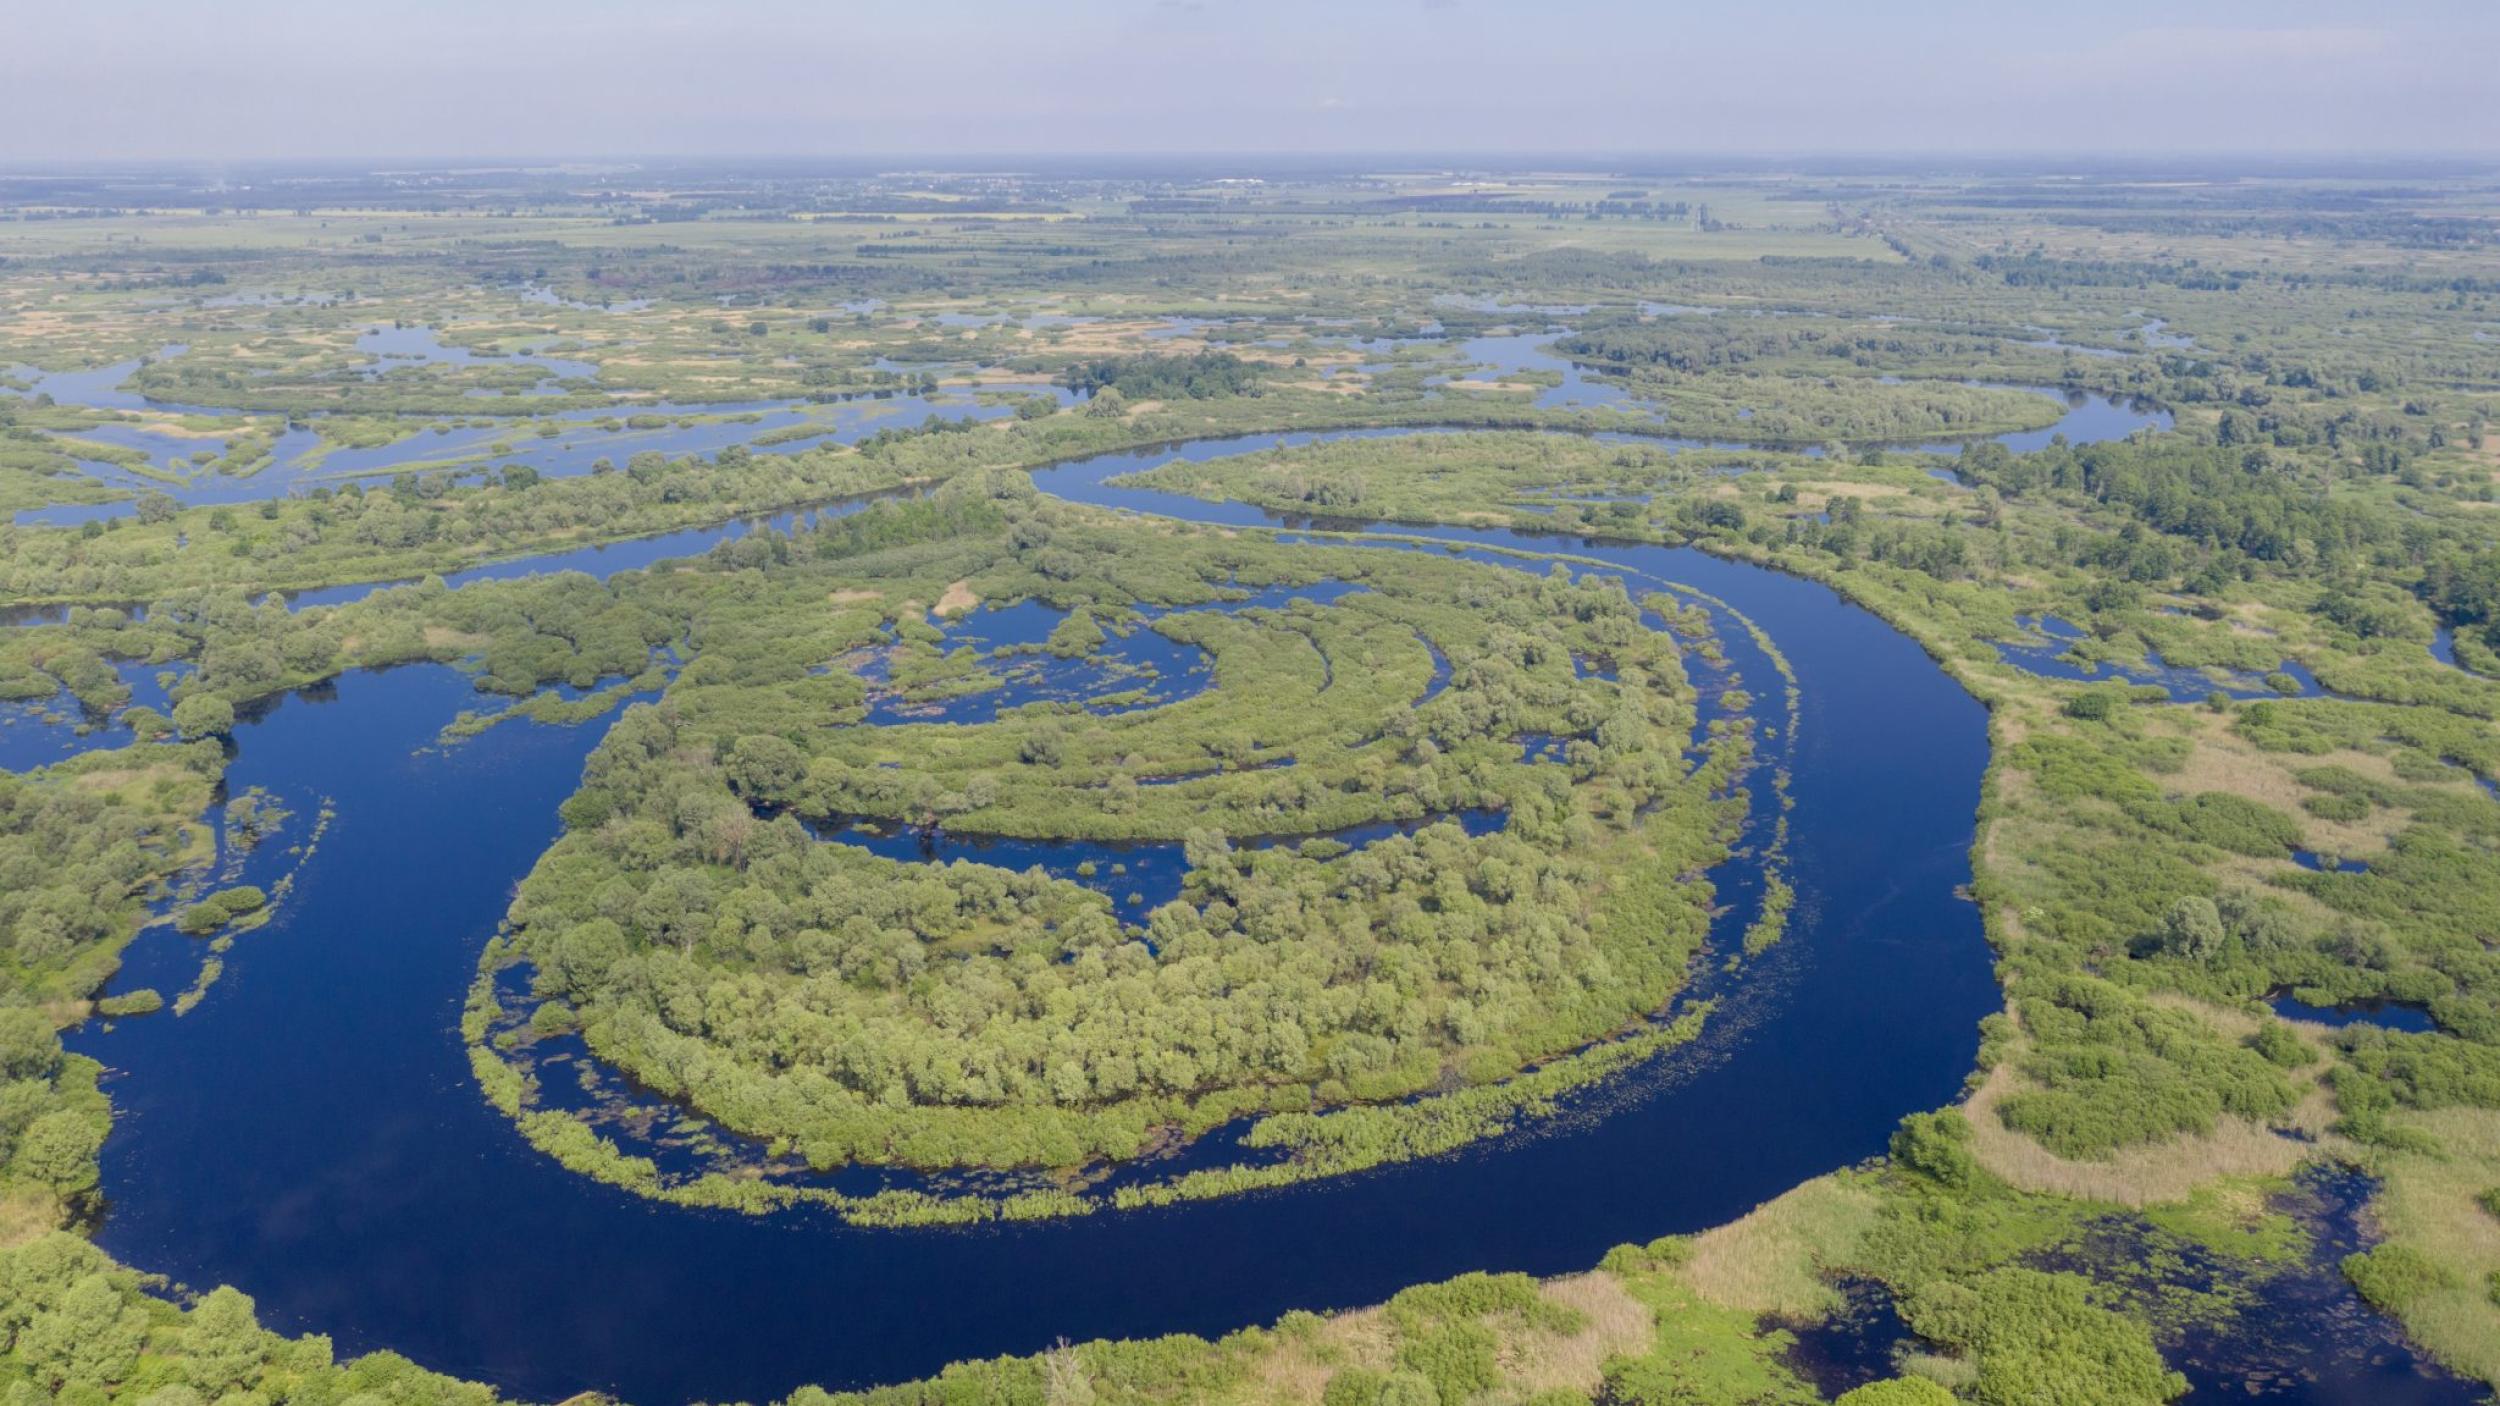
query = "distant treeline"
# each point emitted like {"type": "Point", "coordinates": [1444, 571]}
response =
{"type": "Point", "coordinates": [1198, 377]}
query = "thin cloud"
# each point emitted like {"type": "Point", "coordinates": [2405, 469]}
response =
{"type": "Point", "coordinates": [475, 77]}
{"type": "Point", "coordinates": [2178, 49]}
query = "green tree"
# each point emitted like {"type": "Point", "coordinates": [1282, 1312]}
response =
{"type": "Point", "coordinates": [2193, 928]}
{"type": "Point", "coordinates": [59, 1150]}
{"type": "Point", "coordinates": [204, 715]}
{"type": "Point", "coordinates": [92, 1336]}
{"type": "Point", "coordinates": [767, 768]}
{"type": "Point", "coordinates": [1936, 1146]}
{"type": "Point", "coordinates": [223, 1343]}
{"type": "Point", "coordinates": [28, 1047]}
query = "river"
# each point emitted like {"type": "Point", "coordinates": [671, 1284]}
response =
{"type": "Point", "coordinates": [310, 1133]}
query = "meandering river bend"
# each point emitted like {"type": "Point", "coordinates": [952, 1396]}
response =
{"type": "Point", "coordinates": [310, 1133]}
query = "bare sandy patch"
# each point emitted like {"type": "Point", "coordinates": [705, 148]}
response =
{"type": "Point", "coordinates": [172, 428]}
{"type": "Point", "coordinates": [959, 597]}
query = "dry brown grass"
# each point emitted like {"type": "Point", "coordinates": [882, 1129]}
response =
{"type": "Point", "coordinates": [1289, 1374]}
{"type": "Point", "coordinates": [2429, 1204]}
{"type": "Point", "coordinates": [2255, 618]}
{"type": "Point", "coordinates": [66, 1011]}
{"type": "Point", "coordinates": [118, 778]}
{"type": "Point", "coordinates": [1106, 338]}
{"type": "Point", "coordinates": [2221, 761]}
{"type": "Point", "coordinates": [2013, 728]}
{"type": "Point", "coordinates": [1612, 1323]}
{"type": "Point", "coordinates": [26, 1213]}
{"type": "Point", "coordinates": [2161, 1173]}
{"type": "Point", "coordinates": [1821, 494]}
{"type": "Point", "coordinates": [1294, 1369]}
{"type": "Point", "coordinates": [1772, 1260]}
{"type": "Point", "coordinates": [958, 598]}
{"type": "Point", "coordinates": [853, 597]}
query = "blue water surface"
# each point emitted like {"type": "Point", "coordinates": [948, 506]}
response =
{"type": "Point", "coordinates": [311, 1133]}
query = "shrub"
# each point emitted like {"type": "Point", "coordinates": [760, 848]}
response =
{"type": "Point", "coordinates": [1900, 1391]}
{"type": "Point", "coordinates": [2039, 1339]}
{"type": "Point", "coordinates": [2096, 704]}
{"type": "Point", "coordinates": [58, 1150]}
{"type": "Point", "coordinates": [219, 909]}
{"type": "Point", "coordinates": [2344, 808]}
{"type": "Point", "coordinates": [204, 715]}
{"type": "Point", "coordinates": [2280, 1046]}
{"type": "Point", "coordinates": [28, 1047]}
{"type": "Point", "coordinates": [768, 768]}
{"type": "Point", "coordinates": [2393, 1277]}
{"type": "Point", "coordinates": [1937, 1147]}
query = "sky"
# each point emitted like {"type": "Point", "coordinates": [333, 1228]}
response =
{"type": "Point", "coordinates": [275, 79]}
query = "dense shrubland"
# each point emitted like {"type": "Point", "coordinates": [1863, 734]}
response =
{"type": "Point", "coordinates": [83, 845]}
{"type": "Point", "coordinates": [75, 1325]}
{"type": "Point", "coordinates": [854, 1008]}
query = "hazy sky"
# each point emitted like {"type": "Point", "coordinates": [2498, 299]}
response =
{"type": "Point", "coordinates": [355, 78]}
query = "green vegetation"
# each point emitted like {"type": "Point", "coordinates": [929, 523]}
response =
{"type": "Point", "coordinates": [83, 845]}
{"type": "Point", "coordinates": [393, 400]}
{"type": "Point", "coordinates": [76, 1323]}
{"type": "Point", "coordinates": [219, 909]}
{"type": "Point", "coordinates": [2138, 865]}
{"type": "Point", "coordinates": [940, 1016]}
